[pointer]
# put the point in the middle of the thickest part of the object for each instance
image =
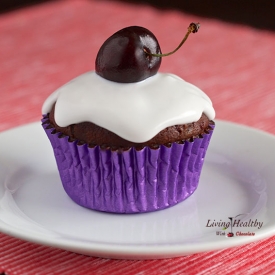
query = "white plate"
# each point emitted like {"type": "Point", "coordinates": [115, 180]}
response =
{"type": "Point", "coordinates": [238, 178]}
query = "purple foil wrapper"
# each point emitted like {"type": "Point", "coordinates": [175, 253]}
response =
{"type": "Point", "coordinates": [130, 181]}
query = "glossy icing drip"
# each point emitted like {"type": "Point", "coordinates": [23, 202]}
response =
{"type": "Point", "coordinates": [134, 111]}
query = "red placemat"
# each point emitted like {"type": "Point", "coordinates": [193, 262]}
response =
{"type": "Point", "coordinates": [44, 46]}
{"type": "Point", "coordinates": [19, 257]}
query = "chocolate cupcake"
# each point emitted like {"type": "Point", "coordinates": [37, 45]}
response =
{"type": "Point", "coordinates": [128, 139]}
{"type": "Point", "coordinates": [129, 147]}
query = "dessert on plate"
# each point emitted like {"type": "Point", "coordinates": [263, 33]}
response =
{"type": "Point", "coordinates": [126, 138]}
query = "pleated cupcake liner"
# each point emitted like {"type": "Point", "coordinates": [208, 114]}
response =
{"type": "Point", "coordinates": [131, 181]}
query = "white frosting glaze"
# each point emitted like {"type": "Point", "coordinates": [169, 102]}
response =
{"type": "Point", "coordinates": [134, 111]}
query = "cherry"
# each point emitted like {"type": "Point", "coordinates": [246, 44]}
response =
{"type": "Point", "coordinates": [122, 58]}
{"type": "Point", "coordinates": [132, 54]}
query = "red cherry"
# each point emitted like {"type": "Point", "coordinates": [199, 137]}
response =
{"type": "Point", "coordinates": [124, 57]}
{"type": "Point", "coordinates": [132, 54]}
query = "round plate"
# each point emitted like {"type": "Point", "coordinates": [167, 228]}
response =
{"type": "Point", "coordinates": [236, 196]}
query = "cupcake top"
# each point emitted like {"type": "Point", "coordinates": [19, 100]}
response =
{"type": "Point", "coordinates": [134, 111]}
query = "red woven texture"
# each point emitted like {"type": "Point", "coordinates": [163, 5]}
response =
{"type": "Point", "coordinates": [44, 46]}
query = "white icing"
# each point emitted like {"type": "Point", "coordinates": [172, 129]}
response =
{"type": "Point", "coordinates": [134, 111]}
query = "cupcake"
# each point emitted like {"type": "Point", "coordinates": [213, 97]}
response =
{"type": "Point", "coordinates": [129, 146]}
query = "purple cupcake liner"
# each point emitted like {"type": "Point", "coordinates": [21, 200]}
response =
{"type": "Point", "coordinates": [130, 181]}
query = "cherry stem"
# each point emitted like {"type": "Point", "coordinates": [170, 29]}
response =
{"type": "Point", "coordinates": [193, 27]}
